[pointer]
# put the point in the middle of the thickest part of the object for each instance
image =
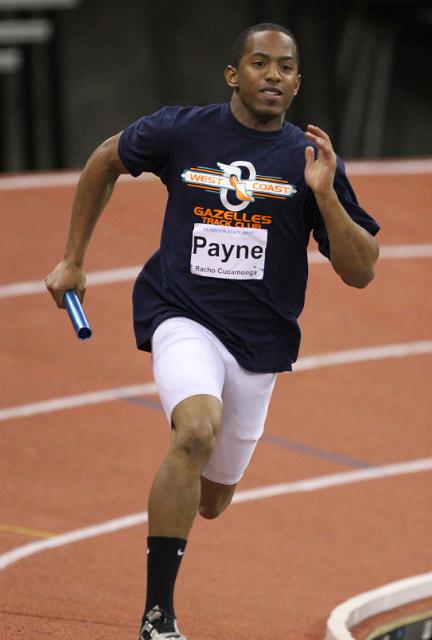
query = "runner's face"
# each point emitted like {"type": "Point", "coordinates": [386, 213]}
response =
{"type": "Point", "coordinates": [265, 81]}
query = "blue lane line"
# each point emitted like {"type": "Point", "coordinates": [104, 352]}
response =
{"type": "Point", "coordinates": [279, 441]}
{"type": "Point", "coordinates": [340, 458]}
{"type": "Point", "coordinates": [145, 402]}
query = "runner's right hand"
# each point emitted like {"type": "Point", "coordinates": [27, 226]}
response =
{"type": "Point", "coordinates": [64, 277]}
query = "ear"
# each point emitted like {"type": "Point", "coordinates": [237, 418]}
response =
{"type": "Point", "coordinates": [296, 90]}
{"type": "Point", "coordinates": [231, 76]}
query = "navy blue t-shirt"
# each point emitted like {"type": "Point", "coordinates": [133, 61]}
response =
{"type": "Point", "coordinates": [236, 229]}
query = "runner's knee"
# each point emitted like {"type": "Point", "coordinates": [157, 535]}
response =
{"type": "Point", "coordinates": [212, 511]}
{"type": "Point", "coordinates": [215, 498]}
{"type": "Point", "coordinates": [209, 514]}
{"type": "Point", "coordinates": [196, 422]}
{"type": "Point", "coordinates": [196, 440]}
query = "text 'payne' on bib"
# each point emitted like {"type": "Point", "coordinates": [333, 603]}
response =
{"type": "Point", "coordinates": [228, 252]}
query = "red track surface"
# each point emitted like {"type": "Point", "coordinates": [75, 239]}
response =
{"type": "Point", "coordinates": [268, 568]}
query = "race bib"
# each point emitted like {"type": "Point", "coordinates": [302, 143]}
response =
{"type": "Point", "coordinates": [232, 253]}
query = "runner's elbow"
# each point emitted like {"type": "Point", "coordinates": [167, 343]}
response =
{"type": "Point", "coordinates": [359, 279]}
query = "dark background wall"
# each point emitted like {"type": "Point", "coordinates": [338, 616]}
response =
{"type": "Point", "coordinates": [365, 69]}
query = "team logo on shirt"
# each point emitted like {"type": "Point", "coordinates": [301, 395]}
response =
{"type": "Point", "coordinates": [236, 191]}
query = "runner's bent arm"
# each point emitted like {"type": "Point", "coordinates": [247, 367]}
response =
{"type": "Point", "coordinates": [94, 189]}
{"type": "Point", "coordinates": [353, 250]}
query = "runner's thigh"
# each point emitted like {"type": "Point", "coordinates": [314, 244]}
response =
{"type": "Point", "coordinates": [246, 397]}
{"type": "Point", "coordinates": [185, 363]}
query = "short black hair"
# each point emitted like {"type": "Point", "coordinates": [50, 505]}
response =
{"type": "Point", "coordinates": [240, 43]}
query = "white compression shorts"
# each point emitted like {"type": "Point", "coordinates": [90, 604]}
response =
{"type": "Point", "coordinates": [189, 360]}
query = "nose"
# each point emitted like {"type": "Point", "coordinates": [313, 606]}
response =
{"type": "Point", "coordinates": [273, 73]}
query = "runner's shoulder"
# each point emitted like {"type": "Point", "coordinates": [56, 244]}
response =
{"type": "Point", "coordinates": [186, 118]}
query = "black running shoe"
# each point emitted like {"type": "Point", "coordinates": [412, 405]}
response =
{"type": "Point", "coordinates": [158, 625]}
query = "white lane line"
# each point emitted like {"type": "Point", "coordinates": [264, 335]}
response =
{"type": "Point", "coordinates": [389, 167]}
{"type": "Point", "coordinates": [370, 603]}
{"type": "Point", "coordinates": [53, 180]}
{"type": "Point", "coordinates": [72, 402]}
{"type": "Point", "coordinates": [387, 252]}
{"type": "Point", "coordinates": [249, 495]}
{"type": "Point", "coordinates": [126, 274]}
{"type": "Point", "coordinates": [353, 168]}
{"type": "Point", "coordinates": [364, 354]}
{"type": "Point", "coordinates": [10, 557]}
{"type": "Point", "coordinates": [304, 364]}
{"type": "Point", "coordinates": [336, 479]}
{"type": "Point", "coordinates": [406, 251]}
{"type": "Point", "coordinates": [109, 276]}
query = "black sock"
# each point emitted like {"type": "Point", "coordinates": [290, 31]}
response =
{"type": "Point", "coordinates": [163, 562]}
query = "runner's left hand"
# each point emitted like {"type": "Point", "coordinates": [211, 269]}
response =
{"type": "Point", "coordinates": [319, 171]}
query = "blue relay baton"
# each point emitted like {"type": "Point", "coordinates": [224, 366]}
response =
{"type": "Point", "coordinates": [77, 315]}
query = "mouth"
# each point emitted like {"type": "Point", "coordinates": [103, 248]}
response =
{"type": "Point", "coordinates": [271, 92]}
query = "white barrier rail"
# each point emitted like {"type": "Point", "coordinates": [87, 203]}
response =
{"type": "Point", "coordinates": [371, 603]}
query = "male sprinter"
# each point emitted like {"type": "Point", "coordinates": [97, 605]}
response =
{"type": "Point", "coordinates": [218, 303]}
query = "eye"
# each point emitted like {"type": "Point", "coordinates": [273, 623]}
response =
{"type": "Point", "coordinates": [286, 67]}
{"type": "Point", "coordinates": [258, 63]}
